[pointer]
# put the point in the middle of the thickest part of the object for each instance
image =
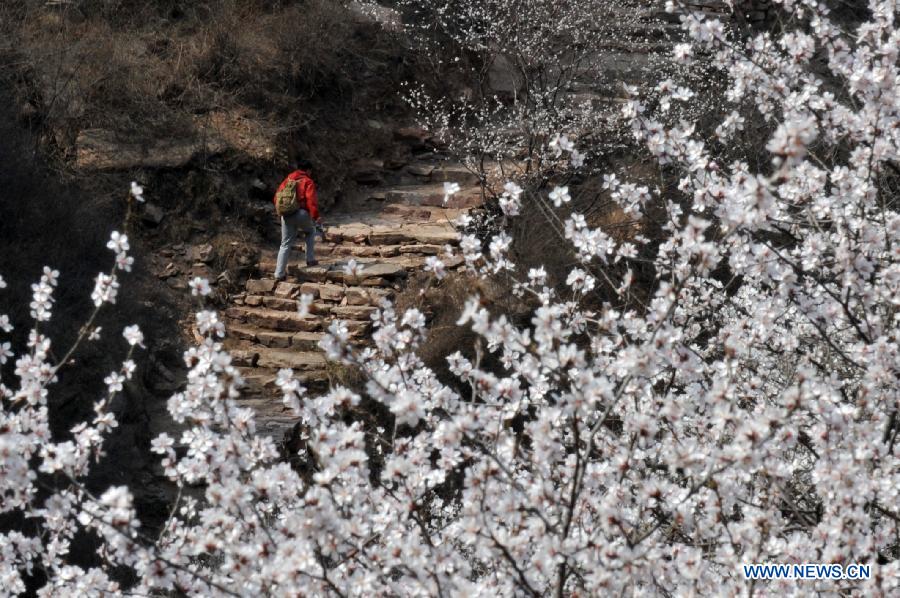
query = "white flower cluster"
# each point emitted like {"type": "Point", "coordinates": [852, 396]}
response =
{"type": "Point", "coordinates": [744, 408]}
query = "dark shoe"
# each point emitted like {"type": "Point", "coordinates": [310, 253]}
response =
{"type": "Point", "coordinates": [281, 279]}
{"type": "Point", "coordinates": [313, 263]}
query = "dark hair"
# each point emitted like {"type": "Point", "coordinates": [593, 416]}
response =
{"type": "Point", "coordinates": [302, 164]}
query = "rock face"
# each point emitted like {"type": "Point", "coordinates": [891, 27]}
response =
{"type": "Point", "coordinates": [388, 18]}
{"type": "Point", "coordinates": [503, 76]}
{"type": "Point", "coordinates": [99, 149]}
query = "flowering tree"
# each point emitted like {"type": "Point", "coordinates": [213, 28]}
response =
{"type": "Point", "coordinates": [523, 68]}
{"type": "Point", "coordinates": [746, 411]}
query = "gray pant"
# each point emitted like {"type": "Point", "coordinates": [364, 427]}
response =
{"type": "Point", "coordinates": [289, 226]}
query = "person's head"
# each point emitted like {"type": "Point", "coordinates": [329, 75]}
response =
{"type": "Point", "coordinates": [304, 165]}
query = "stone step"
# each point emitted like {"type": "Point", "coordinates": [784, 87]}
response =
{"type": "Point", "coordinates": [455, 173]}
{"type": "Point", "coordinates": [444, 172]}
{"type": "Point", "coordinates": [256, 324]}
{"type": "Point", "coordinates": [351, 295]}
{"type": "Point", "coordinates": [374, 251]}
{"type": "Point", "coordinates": [304, 341]}
{"type": "Point", "coordinates": [399, 234]}
{"type": "Point", "coordinates": [279, 304]}
{"type": "Point", "coordinates": [433, 195]}
{"type": "Point", "coordinates": [272, 319]}
{"type": "Point", "coordinates": [261, 381]}
{"type": "Point", "coordinates": [364, 303]}
{"type": "Point", "coordinates": [328, 295]}
{"type": "Point", "coordinates": [381, 272]}
{"type": "Point", "coordinates": [354, 312]}
{"type": "Point", "coordinates": [250, 355]}
{"type": "Point", "coordinates": [299, 361]}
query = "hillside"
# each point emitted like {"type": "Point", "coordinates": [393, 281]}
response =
{"type": "Point", "coordinates": [605, 300]}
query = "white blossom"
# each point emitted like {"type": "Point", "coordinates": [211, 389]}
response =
{"type": "Point", "coordinates": [133, 335]}
{"type": "Point", "coordinates": [199, 287]}
{"type": "Point", "coordinates": [560, 195]}
{"type": "Point", "coordinates": [106, 289]}
{"type": "Point", "coordinates": [137, 192]}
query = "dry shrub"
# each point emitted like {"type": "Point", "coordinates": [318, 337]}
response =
{"type": "Point", "coordinates": [304, 75]}
{"type": "Point", "coordinates": [442, 301]}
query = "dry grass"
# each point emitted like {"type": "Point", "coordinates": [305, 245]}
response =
{"type": "Point", "coordinates": [442, 302]}
{"type": "Point", "coordinates": [242, 70]}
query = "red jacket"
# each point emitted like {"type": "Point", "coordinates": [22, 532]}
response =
{"type": "Point", "coordinates": [306, 192]}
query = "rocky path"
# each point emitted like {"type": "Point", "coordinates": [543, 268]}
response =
{"type": "Point", "coordinates": [402, 220]}
{"type": "Point", "coordinates": [389, 237]}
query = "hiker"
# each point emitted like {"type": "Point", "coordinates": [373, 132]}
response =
{"type": "Point", "coordinates": [298, 206]}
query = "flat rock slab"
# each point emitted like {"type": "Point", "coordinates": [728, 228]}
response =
{"type": "Point", "coordinates": [455, 174]}
{"type": "Point", "coordinates": [280, 304]}
{"type": "Point", "coordinates": [287, 290]}
{"type": "Point", "coordinates": [259, 379]}
{"type": "Point", "coordinates": [422, 170]}
{"type": "Point", "coordinates": [433, 195]}
{"type": "Point", "coordinates": [245, 358]}
{"type": "Point", "coordinates": [306, 341]}
{"type": "Point", "coordinates": [245, 333]}
{"type": "Point", "coordinates": [274, 339]}
{"type": "Point", "coordinates": [273, 319]}
{"type": "Point", "coordinates": [423, 234]}
{"type": "Point", "coordinates": [261, 286]}
{"type": "Point", "coordinates": [374, 272]}
{"type": "Point", "coordinates": [421, 249]}
{"type": "Point", "coordinates": [364, 296]}
{"type": "Point", "coordinates": [400, 233]}
{"type": "Point", "coordinates": [354, 312]}
{"type": "Point", "coordinates": [295, 360]}
{"type": "Point", "coordinates": [356, 250]}
{"type": "Point", "coordinates": [327, 292]}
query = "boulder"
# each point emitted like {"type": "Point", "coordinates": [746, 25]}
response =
{"type": "Point", "coordinates": [153, 214]}
{"type": "Point", "coordinates": [176, 283]}
{"type": "Point", "coordinates": [201, 270]}
{"type": "Point", "coordinates": [202, 253]}
{"type": "Point", "coordinates": [417, 137]}
{"type": "Point", "coordinates": [420, 170]}
{"type": "Point", "coordinates": [169, 271]}
{"type": "Point", "coordinates": [433, 195]}
{"type": "Point", "coordinates": [368, 172]}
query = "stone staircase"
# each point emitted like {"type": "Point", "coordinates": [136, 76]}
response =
{"type": "Point", "coordinates": [390, 235]}
{"type": "Point", "coordinates": [399, 220]}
